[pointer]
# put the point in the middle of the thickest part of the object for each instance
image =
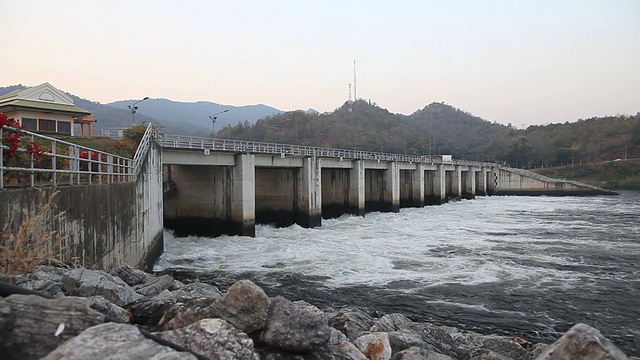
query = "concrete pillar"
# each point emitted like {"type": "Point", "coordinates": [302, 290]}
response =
{"type": "Point", "coordinates": [417, 188]}
{"type": "Point", "coordinates": [456, 183]}
{"type": "Point", "coordinates": [469, 191]}
{"type": "Point", "coordinates": [243, 199]}
{"type": "Point", "coordinates": [492, 180]}
{"type": "Point", "coordinates": [439, 186]}
{"type": "Point", "coordinates": [309, 202]}
{"type": "Point", "coordinates": [482, 182]}
{"type": "Point", "coordinates": [356, 188]}
{"type": "Point", "coordinates": [392, 187]}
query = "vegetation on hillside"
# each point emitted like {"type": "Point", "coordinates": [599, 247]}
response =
{"type": "Point", "coordinates": [443, 129]}
{"type": "Point", "coordinates": [610, 174]}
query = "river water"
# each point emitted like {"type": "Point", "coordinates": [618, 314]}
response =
{"type": "Point", "coordinates": [525, 266]}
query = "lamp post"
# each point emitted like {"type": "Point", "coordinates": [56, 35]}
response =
{"type": "Point", "coordinates": [134, 109]}
{"type": "Point", "coordinates": [355, 137]}
{"type": "Point", "coordinates": [213, 118]}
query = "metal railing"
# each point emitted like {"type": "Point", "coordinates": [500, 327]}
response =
{"type": "Point", "coordinates": [241, 146]}
{"type": "Point", "coordinates": [62, 163]}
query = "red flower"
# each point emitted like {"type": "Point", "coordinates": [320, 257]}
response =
{"type": "Point", "coordinates": [35, 150]}
{"type": "Point", "coordinates": [4, 120]}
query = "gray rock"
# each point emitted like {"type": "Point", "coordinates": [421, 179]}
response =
{"type": "Point", "coordinates": [351, 322]}
{"type": "Point", "coordinates": [149, 311]}
{"type": "Point", "coordinates": [337, 336]}
{"type": "Point", "coordinates": [502, 346]}
{"type": "Point", "coordinates": [112, 311]}
{"type": "Point", "coordinates": [582, 342]}
{"type": "Point", "coordinates": [29, 324]}
{"type": "Point", "coordinates": [85, 282]}
{"type": "Point", "coordinates": [294, 328]}
{"type": "Point", "coordinates": [244, 305]}
{"type": "Point", "coordinates": [115, 342]}
{"type": "Point", "coordinates": [47, 280]}
{"type": "Point", "coordinates": [375, 345]}
{"type": "Point", "coordinates": [404, 339]}
{"type": "Point", "coordinates": [197, 290]}
{"type": "Point", "coordinates": [490, 355]}
{"type": "Point", "coordinates": [341, 350]}
{"type": "Point", "coordinates": [176, 285]}
{"type": "Point", "coordinates": [418, 353]}
{"type": "Point", "coordinates": [392, 322]}
{"type": "Point", "coordinates": [181, 314]}
{"type": "Point", "coordinates": [538, 349]}
{"type": "Point", "coordinates": [213, 338]}
{"type": "Point", "coordinates": [130, 275]}
{"type": "Point", "coordinates": [154, 285]}
{"type": "Point", "coordinates": [440, 341]}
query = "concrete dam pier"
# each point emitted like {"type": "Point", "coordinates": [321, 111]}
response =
{"type": "Point", "coordinates": [226, 186]}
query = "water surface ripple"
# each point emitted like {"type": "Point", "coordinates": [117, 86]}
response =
{"type": "Point", "coordinates": [527, 266]}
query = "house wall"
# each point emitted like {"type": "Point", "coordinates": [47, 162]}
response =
{"type": "Point", "coordinates": [19, 114]}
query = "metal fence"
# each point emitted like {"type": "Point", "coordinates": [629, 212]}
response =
{"type": "Point", "coordinates": [240, 146]}
{"type": "Point", "coordinates": [61, 162]}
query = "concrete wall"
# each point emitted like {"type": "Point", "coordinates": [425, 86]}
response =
{"type": "Point", "coordinates": [276, 196]}
{"type": "Point", "coordinates": [105, 225]}
{"type": "Point", "coordinates": [200, 204]}
{"type": "Point", "coordinates": [519, 182]}
{"type": "Point", "coordinates": [335, 193]}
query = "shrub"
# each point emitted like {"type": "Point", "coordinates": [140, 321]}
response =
{"type": "Point", "coordinates": [33, 238]}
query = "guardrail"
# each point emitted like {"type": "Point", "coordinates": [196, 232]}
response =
{"type": "Point", "coordinates": [62, 163]}
{"type": "Point", "coordinates": [240, 146]}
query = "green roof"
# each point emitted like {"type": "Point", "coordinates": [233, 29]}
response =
{"type": "Point", "coordinates": [45, 106]}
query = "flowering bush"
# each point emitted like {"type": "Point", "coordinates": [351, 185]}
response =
{"type": "Point", "coordinates": [10, 138]}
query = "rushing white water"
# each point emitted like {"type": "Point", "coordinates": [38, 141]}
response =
{"type": "Point", "coordinates": [539, 263]}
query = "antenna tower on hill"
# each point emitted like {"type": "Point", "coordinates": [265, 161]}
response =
{"type": "Point", "coordinates": [350, 101]}
{"type": "Point", "coordinates": [355, 88]}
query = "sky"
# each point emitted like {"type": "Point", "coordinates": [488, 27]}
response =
{"type": "Point", "coordinates": [519, 62]}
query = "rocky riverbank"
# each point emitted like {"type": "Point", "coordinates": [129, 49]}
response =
{"type": "Point", "coordinates": [55, 313]}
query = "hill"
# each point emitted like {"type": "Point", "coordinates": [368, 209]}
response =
{"type": "Point", "coordinates": [195, 115]}
{"type": "Point", "coordinates": [172, 116]}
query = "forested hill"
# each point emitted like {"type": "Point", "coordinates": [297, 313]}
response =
{"type": "Point", "coordinates": [443, 129]}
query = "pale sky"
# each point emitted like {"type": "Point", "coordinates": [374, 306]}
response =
{"type": "Point", "coordinates": [523, 62]}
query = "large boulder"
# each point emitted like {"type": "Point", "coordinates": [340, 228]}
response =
{"type": "Point", "coordinates": [582, 342]}
{"type": "Point", "coordinates": [375, 346]}
{"type": "Point", "coordinates": [85, 282]}
{"type": "Point", "coordinates": [149, 311]}
{"type": "Point", "coordinates": [111, 311]}
{"type": "Point", "coordinates": [502, 346]}
{"type": "Point", "coordinates": [197, 290]}
{"type": "Point", "coordinates": [299, 328]}
{"type": "Point", "coordinates": [244, 305]}
{"type": "Point", "coordinates": [47, 280]}
{"type": "Point", "coordinates": [434, 338]}
{"type": "Point", "coordinates": [31, 326]}
{"type": "Point", "coordinates": [418, 353]}
{"type": "Point", "coordinates": [130, 275]}
{"type": "Point", "coordinates": [115, 342]}
{"type": "Point", "coordinates": [214, 339]}
{"type": "Point", "coordinates": [154, 285]}
{"type": "Point", "coordinates": [351, 322]}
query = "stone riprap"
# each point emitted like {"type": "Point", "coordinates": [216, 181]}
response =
{"type": "Point", "coordinates": [129, 314]}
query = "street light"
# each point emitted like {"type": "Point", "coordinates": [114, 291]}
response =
{"type": "Point", "coordinates": [134, 109]}
{"type": "Point", "coordinates": [213, 118]}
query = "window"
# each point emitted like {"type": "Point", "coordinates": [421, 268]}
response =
{"type": "Point", "coordinates": [30, 124]}
{"type": "Point", "coordinates": [64, 127]}
{"type": "Point", "coordinates": [46, 125]}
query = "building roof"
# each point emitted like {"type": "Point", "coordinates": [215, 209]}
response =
{"type": "Point", "coordinates": [44, 97]}
{"type": "Point", "coordinates": [43, 106]}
